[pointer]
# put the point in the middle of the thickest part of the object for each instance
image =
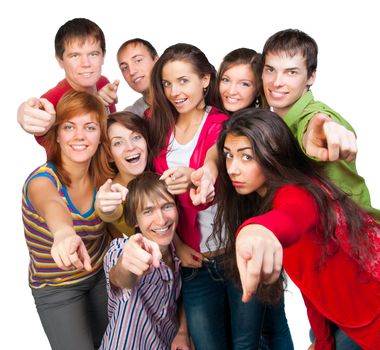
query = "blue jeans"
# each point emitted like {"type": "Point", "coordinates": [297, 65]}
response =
{"type": "Point", "coordinates": [342, 340]}
{"type": "Point", "coordinates": [276, 332]}
{"type": "Point", "coordinates": [216, 316]}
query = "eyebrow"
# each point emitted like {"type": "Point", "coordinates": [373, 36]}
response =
{"type": "Point", "coordinates": [239, 149]}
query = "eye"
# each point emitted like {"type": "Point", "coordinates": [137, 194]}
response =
{"type": "Point", "coordinates": [292, 72]}
{"type": "Point", "coordinates": [136, 137]}
{"type": "Point", "coordinates": [227, 155]}
{"type": "Point", "coordinates": [124, 68]}
{"type": "Point", "coordinates": [246, 84]}
{"type": "Point", "coordinates": [95, 54]}
{"type": "Point", "coordinates": [169, 206]}
{"type": "Point", "coordinates": [91, 128]}
{"type": "Point", "coordinates": [117, 143]}
{"type": "Point", "coordinates": [147, 212]}
{"type": "Point", "coordinates": [246, 156]}
{"type": "Point", "coordinates": [225, 80]}
{"type": "Point", "coordinates": [68, 127]}
{"type": "Point", "coordinates": [183, 81]}
{"type": "Point", "coordinates": [165, 83]}
{"type": "Point", "coordinates": [268, 69]}
{"type": "Point", "coordinates": [138, 60]}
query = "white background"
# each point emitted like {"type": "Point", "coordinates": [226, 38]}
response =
{"type": "Point", "coordinates": [347, 79]}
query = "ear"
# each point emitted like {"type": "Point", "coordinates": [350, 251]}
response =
{"type": "Point", "coordinates": [206, 80]}
{"type": "Point", "coordinates": [60, 61]}
{"type": "Point", "coordinates": [311, 80]}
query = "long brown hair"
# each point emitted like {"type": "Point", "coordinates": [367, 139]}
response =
{"type": "Point", "coordinates": [164, 114]}
{"type": "Point", "coordinates": [70, 105]}
{"type": "Point", "coordinates": [283, 163]}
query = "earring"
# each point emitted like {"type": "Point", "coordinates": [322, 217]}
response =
{"type": "Point", "coordinates": [204, 90]}
{"type": "Point", "coordinates": [256, 103]}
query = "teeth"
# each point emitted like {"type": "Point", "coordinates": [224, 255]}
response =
{"type": "Point", "coordinates": [78, 147]}
{"type": "Point", "coordinates": [180, 101]}
{"type": "Point", "coordinates": [132, 158]}
{"type": "Point", "coordinates": [161, 229]}
{"type": "Point", "coordinates": [232, 99]}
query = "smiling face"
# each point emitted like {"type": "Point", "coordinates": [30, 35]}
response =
{"type": "Point", "coordinates": [285, 80]}
{"type": "Point", "coordinates": [129, 150]}
{"type": "Point", "coordinates": [183, 87]}
{"type": "Point", "coordinates": [157, 219]}
{"type": "Point", "coordinates": [136, 64]}
{"type": "Point", "coordinates": [79, 138]}
{"type": "Point", "coordinates": [237, 87]}
{"type": "Point", "coordinates": [242, 168]}
{"type": "Point", "coordinates": [82, 63]}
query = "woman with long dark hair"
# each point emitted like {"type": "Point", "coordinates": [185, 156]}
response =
{"type": "Point", "coordinates": [290, 215]}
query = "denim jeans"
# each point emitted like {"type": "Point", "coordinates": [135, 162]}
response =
{"type": "Point", "coordinates": [342, 340]}
{"type": "Point", "coordinates": [276, 332]}
{"type": "Point", "coordinates": [216, 316]}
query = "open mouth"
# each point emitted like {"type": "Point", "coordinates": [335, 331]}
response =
{"type": "Point", "coordinates": [133, 159]}
{"type": "Point", "coordinates": [162, 230]}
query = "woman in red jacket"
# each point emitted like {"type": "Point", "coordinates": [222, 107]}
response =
{"type": "Point", "coordinates": [328, 246]}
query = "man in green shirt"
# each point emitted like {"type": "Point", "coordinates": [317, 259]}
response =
{"type": "Point", "coordinates": [290, 64]}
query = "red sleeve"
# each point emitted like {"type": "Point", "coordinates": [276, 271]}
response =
{"type": "Point", "coordinates": [321, 327]}
{"type": "Point", "coordinates": [294, 212]}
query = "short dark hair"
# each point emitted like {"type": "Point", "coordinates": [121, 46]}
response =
{"type": "Point", "coordinates": [293, 41]}
{"type": "Point", "coordinates": [136, 41]}
{"type": "Point", "coordinates": [78, 28]}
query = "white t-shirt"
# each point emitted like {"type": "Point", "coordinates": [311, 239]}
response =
{"type": "Point", "coordinates": [179, 156]}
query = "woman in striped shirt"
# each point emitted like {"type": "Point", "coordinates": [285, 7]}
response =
{"type": "Point", "coordinates": [65, 237]}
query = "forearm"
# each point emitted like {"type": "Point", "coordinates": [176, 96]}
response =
{"type": "Point", "coordinates": [122, 278]}
{"type": "Point", "coordinates": [110, 216]}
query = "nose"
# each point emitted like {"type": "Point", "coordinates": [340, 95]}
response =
{"type": "Point", "coordinates": [232, 167]}
{"type": "Point", "coordinates": [85, 61]}
{"type": "Point", "coordinates": [129, 144]}
{"type": "Point", "coordinates": [160, 218]}
{"type": "Point", "coordinates": [232, 88]}
{"type": "Point", "coordinates": [79, 133]}
{"type": "Point", "coordinates": [132, 69]}
{"type": "Point", "coordinates": [278, 79]}
{"type": "Point", "coordinates": [174, 90]}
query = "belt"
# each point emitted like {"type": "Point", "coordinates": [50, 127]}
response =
{"type": "Point", "coordinates": [210, 255]}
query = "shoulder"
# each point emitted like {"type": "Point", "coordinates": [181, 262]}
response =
{"type": "Point", "coordinates": [54, 95]}
{"type": "Point", "coordinates": [290, 195]}
{"type": "Point", "coordinates": [103, 81]}
{"type": "Point", "coordinates": [215, 115]}
{"type": "Point", "coordinates": [44, 171]}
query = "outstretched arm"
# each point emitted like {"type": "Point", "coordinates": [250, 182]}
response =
{"type": "Point", "coordinates": [139, 256]}
{"type": "Point", "coordinates": [68, 250]}
{"type": "Point", "coordinates": [329, 141]}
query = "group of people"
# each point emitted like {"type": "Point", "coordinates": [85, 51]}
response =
{"type": "Point", "coordinates": [172, 223]}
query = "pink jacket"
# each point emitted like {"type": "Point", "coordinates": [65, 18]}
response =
{"type": "Point", "coordinates": [188, 228]}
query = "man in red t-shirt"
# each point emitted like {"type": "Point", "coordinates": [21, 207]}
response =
{"type": "Point", "coordinates": [79, 49]}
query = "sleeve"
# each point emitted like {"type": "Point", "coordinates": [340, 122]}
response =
{"type": "Point", "coordinates": [111, 216]}
{"type": "Point", "coordinates": [42, 172]}
{"type": "Point", "coordinates": [110, 259]}
{"type": "Point", "coordinates": [321, 326]}
{"type": "Point", "coordinates": [294, 212]}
